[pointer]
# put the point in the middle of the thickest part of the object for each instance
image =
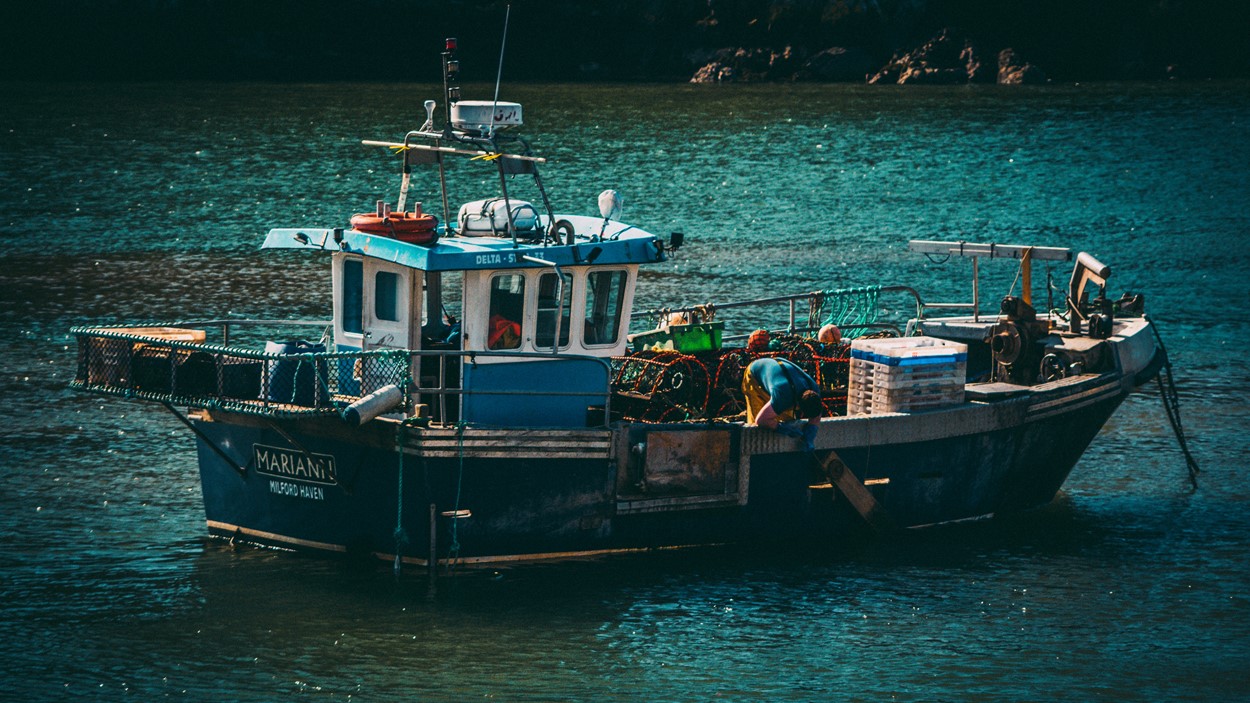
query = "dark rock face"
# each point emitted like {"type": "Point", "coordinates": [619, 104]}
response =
{"type": "Point", "coordinates": [1013, 71]}
{"type": "Point", "coordinates": [714, 72]}
{"type": "Point", "coordinates": [1071, 39]}
{"type": "Point", "coordinates": [947, 59]}
{"type": "Point", "coordinates": [924, 75]}
{"type": "Point", "coordinates": [837, 65]}
{"type": "Point", "coordinates": [748, 65]}
{"type": "Point", "coordinates": [978, 72]}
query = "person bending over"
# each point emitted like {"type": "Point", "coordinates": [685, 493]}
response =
{"type": "Point", "coordinates": [778, 391]}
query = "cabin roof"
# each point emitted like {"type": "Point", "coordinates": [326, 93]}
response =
{"type": "Point", "coordinates": [621, 244]}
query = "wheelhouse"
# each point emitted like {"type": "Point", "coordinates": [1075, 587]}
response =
{"type": "Point", "coordinates": [532, 317]}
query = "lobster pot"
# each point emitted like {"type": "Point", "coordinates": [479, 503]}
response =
{"type": "Point", "coordinates": [905, 375]}
{"type": "Point", "coordinates": [299, 379]}
{"type": "Point", "coordinates": [107, 361]}
{"type": "Point", "coordinates": [663, 386]}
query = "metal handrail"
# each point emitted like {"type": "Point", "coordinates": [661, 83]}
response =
{"type": "Point", "coordinates": [791, 299]}
{"type": "Point", "coordinates": [226, 323]}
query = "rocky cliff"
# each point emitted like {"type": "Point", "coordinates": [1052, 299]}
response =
{"type": "Point", "coordinates": [899, 41]}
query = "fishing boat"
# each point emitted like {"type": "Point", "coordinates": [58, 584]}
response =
{"type": "Point", "coordinates": [485, 392]}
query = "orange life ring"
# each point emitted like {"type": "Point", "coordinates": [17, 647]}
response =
{"type": "Point", "coordinates": [411, 227]}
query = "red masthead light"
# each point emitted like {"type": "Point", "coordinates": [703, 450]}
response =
{"type": "Point", "coordinates": [450, 44]}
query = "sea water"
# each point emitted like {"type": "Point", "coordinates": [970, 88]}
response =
{"type": "Point", "coordinates": [147, 202]}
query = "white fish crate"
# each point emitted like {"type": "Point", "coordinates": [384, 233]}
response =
{"type": "Point", "coordinates": [875, 401]}
{"type": "Point", "coordinates": [905, 374]}
{"type": "Point", "coordinates": [871, 374]}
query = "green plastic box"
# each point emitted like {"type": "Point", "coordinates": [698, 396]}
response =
{"type": "Point", "coordinates": [688, 339]}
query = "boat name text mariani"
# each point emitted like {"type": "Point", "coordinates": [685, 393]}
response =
{"type": "Point", "coordinates": [294, 464]}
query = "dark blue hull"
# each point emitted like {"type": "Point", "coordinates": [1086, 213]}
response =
{"type": "Point", "coordinates": [488, 496]}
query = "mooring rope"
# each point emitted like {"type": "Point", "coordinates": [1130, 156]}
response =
{"type": "Point", "coordinates": [401, 537]}
{"type": "Point", "coordinates": [453, 549]}
{"type": "Point", "coordinates": [1172, 406]}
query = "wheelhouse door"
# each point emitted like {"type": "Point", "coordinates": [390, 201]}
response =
{"type": "Point", "coordinates": [390, 319]}
{"type": "Point", "coordinates": [391, 300]}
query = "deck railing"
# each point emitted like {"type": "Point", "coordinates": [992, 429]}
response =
{"type": "Point", "coordinates": [179, 364]}
{"type": "Point", "coordinates": [174, 363]}
{"type": "Point", "coordinates": [804, 313]}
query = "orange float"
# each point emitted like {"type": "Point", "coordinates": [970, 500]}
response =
{"type": "Point", "coordinates": [412, 227]}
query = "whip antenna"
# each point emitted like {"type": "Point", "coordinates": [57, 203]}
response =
{"type": "Point", "coordinates": [494, 108]}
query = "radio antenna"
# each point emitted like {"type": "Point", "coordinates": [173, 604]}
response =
{"type": "Point", "coordinates": [494, 108]}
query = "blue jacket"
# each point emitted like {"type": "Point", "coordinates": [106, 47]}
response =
{"type": "Point", "coordinates": [784, 381]}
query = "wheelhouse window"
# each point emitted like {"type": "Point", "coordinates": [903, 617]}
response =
{"type": "Point", "coordinates": [507, 309]}
{"type": "Point", "coordinates": [386, 296]}
{"type": "Point", "coordinates": [452, 289]}
{"type": "Point", "coordinates": [605, 294]}
{"type": "Point", "coordinates": [353, 296]}
{"type": "Point", "coordinates": [549, 307]}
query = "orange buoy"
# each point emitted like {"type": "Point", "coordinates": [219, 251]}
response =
{"type": "Point", "coordinates": [757, 343]}
{"type": "Point", "coordinates": [412, 227]}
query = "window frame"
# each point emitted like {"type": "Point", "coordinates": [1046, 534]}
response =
{"type": "Point", "coordinates": [620, 289]}
{"type": "Point", "coordinates": [566, 332]}
{"type": "Point", "coordinates": [491, 309]}
{"type": "Point", "coordinates": [357, 302]}
{"type": "Point", "coordinates": [392, 298]}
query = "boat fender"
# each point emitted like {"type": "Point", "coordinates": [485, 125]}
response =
{"type": "Point", "coordinates": [373, 405]}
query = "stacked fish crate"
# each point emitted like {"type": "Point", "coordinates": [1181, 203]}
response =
{"type": "Point", "coordinates": [905, 375]}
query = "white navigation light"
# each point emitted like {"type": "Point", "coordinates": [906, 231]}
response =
{"type": "Point", "coordinates": [610, 204]}
{"type": "Point", "coordinates": [484, 116]}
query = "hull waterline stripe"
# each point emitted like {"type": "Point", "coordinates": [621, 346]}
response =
{"type": "Point", "coordinates": [549, 556]}
{"type": "Point", "coordinates": [1098, 390]}
{"type": "Point", "coordinates": [222, 528]}
{"type": "Point", "coordinates": [1065, 405]}
{"type": "Point", "coordinates": [956, 521]}
{"type": "Point", "coordinates": [225, 527]}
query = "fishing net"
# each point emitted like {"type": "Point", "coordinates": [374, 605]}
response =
{"type": "Point", "coordinates": [846, 308]}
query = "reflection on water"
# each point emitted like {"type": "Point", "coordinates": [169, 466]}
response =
{"type": "Point", "coordinates": [124, 203]}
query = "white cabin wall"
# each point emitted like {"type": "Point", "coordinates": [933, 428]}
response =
{"type": "Point", "coordinates": [474, 306]}
{"type": "Point", "coordinates": [416, 307]}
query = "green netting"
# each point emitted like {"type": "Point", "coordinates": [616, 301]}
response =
{"type": "Point", "coordinates": [117, 361]}
{"type": "Point", "coordinates": [849, 308]}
